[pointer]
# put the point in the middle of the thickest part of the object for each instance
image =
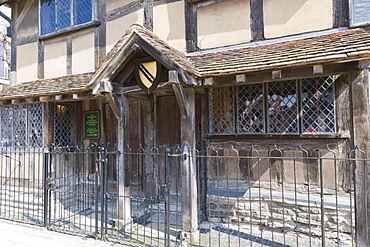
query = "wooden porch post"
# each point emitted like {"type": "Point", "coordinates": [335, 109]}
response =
{"type": "Point", "coordinates": [189, 181]}
{"type": "Point", "coordinates": [360, 110]}
{"type": "Point", "coordinates": [124, 190]}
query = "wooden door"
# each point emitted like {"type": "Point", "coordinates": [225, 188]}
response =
{"type": "Point", "coordinates": [169, 126]}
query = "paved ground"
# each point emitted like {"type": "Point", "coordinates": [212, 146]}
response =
{"type": "Point", "coordinates": [14, 234]}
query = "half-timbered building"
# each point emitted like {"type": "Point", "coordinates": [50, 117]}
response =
{"type": "Point", "coordinates": [247, 78]}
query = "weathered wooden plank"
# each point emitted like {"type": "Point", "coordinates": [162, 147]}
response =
{"type": "Point", "coordinates": [191, 28]}
{"type": "Point", "coordinates": [189, 180]}
{"type": "Point", "coordinates": [256, 20]}
{"type": "Point", "coordinates": [360, 133]}
{"type": "Point", "coordinates": [340, 13]}
{"type": "Point", "coordinates": [40, 60]}
{"type": "Point", "coordinates": [69, 55]}
{"type": "Point", "coordinates": [148, 14]}
{"type": "Point", "coordinates": [289, 73]}
{"type": "Point", "coordinates": [100, 38]}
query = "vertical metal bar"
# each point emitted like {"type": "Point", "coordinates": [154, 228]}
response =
{"type": "Point", "coordinates": [322, 204]}
{"type": "Point", "coordinates": [102, 189]}
{"type": "Point", "coordinates": [96, 194]}
{"type": "Point", "coordinates": [166, 196]}
{"type": "Point", "coordinates": [46, 188]}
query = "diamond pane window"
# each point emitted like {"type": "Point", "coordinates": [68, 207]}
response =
{"type": "Point", "coordinates": [22, 125]}
{"type": "Point", "coordinates": [6, 122]}
{"type": "Point", "coordinates": [59, 14]}
{"type": "Point", "coordinates": [47, 16]}
{"type": "Point", "coordinates": [250, 109]}
{"type": "Point", "coordinates": [318, 111]}
{"type": "Point", "coordinates": [64, 13]}
{"type": "Point", "coordinates": [82, 11]}
{"type": "Point", "coordinates": [304, 106]}
{"type": "Point", "coordinates": [65, 125]}
{"type": "Point", "coordinates": [222, 110]}
{"type": "Point", "coordinates": [35, 125]}
{"type": "Point", "coordinates": [19, 125]}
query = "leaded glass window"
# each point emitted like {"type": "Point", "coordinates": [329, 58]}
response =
{"type": "Point", "coordinates": [59, 14]}
{"type": "Point", "coordinates": [282, 107]}
{"type": "Point", "coordinates": [305, 106]}
{"type": "Point", "coordinates": [222, 110]}
{"type": "Point", "coordinates": [65, 125]}
{"type": "Point", "coordinates": [318, 111]}
{"type": "Point", "coordinates": [22, 125]}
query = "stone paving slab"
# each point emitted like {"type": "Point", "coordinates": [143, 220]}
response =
{"type": "Point", "coordinates": [13, 234]}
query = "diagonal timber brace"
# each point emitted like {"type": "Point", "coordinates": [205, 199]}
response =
{"type": "Point", "coordinates": [105, 88]}
{"type": "Point", "coordinates": [173, 78]}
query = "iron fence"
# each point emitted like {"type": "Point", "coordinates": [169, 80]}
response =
{"type": "Point", "coordinates": [246, 196]}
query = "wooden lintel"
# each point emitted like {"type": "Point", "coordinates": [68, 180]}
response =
{"type": "Point", "coordinates": [44, 98]}
{"type": "Point", "coordinates": [5, 102]}
{"type": "Point", "coordinates": [17, 101]}
{"type": "Point", "coordinates": [30, 100]}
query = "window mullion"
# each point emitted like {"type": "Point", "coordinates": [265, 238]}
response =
{"type": "Point", "coordinates": [72, 13]}
{"type": "Point", "coordinates": [299, 105]}
{"type": "Point", "coordinates": [265, 107]}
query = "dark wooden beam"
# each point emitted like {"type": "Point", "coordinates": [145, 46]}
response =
{"type": "Point", "coordinates": [360, 132]}
{"type": "Point", "coordinates": [340, 13]}
{"type": "Point", "coordinates": [288, 74]}
{"type": "Point", "coordinates": [256, 18]}
{"type": "Point", "coordinates": [191, 27]}
{"type": "Point", "coordinates": [41, 58]}
{"type": "Point", "coordinates": [69, 55]}
{"type": "Point", "coordinates": [100, 33]}
{"type": "Point", "coordinates": [148, 14]}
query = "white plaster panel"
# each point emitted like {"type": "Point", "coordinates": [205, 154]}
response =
{"type": "Point", "coordinates": [83, 48]}
{"type": "Point", "coordinates": [169, 23]}
{"type": "Point", "coordinates": [224, 23]}
{"type": "Point", "coordinates": [27, 61]}
{"type": "Point", "coordinates": [288, 17]}
{"type": "Point", "coordinates": [117, 28]}
{"type": "Point", "coordinates": [55, 58]}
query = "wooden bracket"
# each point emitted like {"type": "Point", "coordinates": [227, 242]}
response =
{"type": "Point", "coordinates": [173, 78]}
{"type": "Point", "coordinates": [105, 89]}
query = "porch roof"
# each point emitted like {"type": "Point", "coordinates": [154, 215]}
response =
{"type": "Point", "coordinates": [339, 45]}
{"type": "Point", "coordinates": [331, 46]}
{"type": "Point", "coordinates": [48, 87]}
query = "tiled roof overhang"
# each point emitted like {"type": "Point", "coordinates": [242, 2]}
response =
{"type": "Point", "coordinates": [340, 46]}
{"type": "Point", "coordinates": [61, 85]}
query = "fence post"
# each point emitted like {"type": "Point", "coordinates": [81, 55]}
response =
{"type": "Point", "coordinates": [46, 187]}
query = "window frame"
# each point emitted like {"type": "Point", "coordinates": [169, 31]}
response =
{"type": "Point", "coordinates": [27, 128]}
{"type": "Point", "coordinates": [329, 109]}
{"type": "Point", "coordinates": [352, 16]}
{"type": "Point", "coordinates": [73, 26]}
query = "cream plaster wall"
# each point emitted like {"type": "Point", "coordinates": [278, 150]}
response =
{"type": "Point", "coordinates": [30, 22]}
{"type": "Point", "coordinates": [55, 60]}
{"type": "Point", "coordinates": [117, 28]}
{"type": "Point", "coordinates": [288, 17]}
{"type": "Point", "coordinates": [169, 23]}
{"type": "Point", "coordinates": [83, 52]}
{"type": "Point", "coordinates": [27, 61]}
{"type": "Point", "coordinates": [224, 23]}
{"type": "Point", "coordinates": [115, 4]}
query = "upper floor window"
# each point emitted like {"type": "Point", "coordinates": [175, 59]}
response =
{"type": "Point", "coordinates": [59, 14]}
{"type": "Point", "coordinates": [304, 106]}
{"type": "Point", "coordinates": [360, 12]}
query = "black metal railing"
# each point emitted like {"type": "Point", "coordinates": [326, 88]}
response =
{"type": "Point", "coordinates": [246, 196]}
